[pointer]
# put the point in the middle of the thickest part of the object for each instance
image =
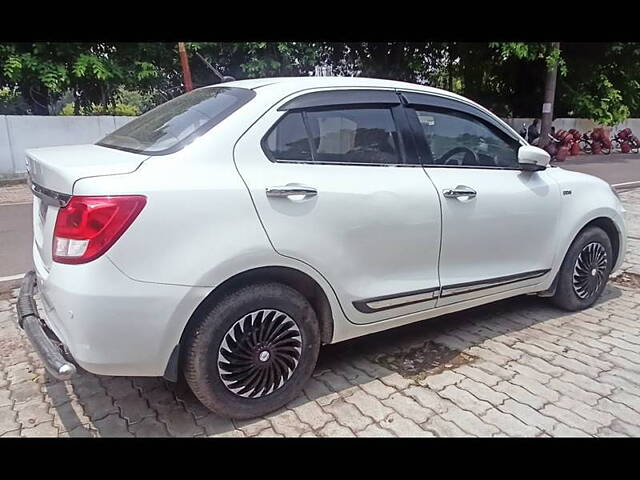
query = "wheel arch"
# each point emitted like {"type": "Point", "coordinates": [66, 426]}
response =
{"type": "Point", "coordinates": [608, 226]}
{"type": "Point", "coordinates": [300, 281]}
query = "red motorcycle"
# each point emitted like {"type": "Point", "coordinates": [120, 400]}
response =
{"type": "Point", "coordinates": [563, 143]}
{"type": "Point", "coordinates": [626, 141]}
{"type": "Point", "coordinates": [575, 146]}
{"type": "Point", "coordinates": [597, 142]}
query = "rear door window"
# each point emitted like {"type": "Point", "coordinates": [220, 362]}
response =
{"type": "Point", "coordinates": [354, 135]}
{"type": "Point", "coordinates": [349, 135]}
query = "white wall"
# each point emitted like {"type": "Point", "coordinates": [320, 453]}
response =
{"type": "Point", "coordinates": [20, 132]}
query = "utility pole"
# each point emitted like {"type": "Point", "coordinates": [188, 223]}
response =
{"type": "Point", "coordinates": [184, 61]}
{"type": "Point", "coordinates": [450, 65]}
{"type": "Point", "coordinates": [549, 96]}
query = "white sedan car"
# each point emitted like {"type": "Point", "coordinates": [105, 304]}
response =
{"type": "Point", "coordinates": [229, 233]}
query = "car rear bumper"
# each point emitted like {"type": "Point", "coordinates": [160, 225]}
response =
{"type": "Point", "coordinates": [108, 323]}
{"type": "Point", "coordinates": [48, 346]}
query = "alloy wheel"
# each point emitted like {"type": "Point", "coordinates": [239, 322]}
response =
{"type": "Point", "coordinates": [259, 353]}
{"type": "Point", "coordinates": [590, 270]}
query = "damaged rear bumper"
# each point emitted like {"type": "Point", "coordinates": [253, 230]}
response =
{"type": "Point", "coordinates": [48, 346]}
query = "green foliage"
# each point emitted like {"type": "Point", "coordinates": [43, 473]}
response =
{"type": "Point", "coordinates": [44, 71]}
{"type": "Point", "coordinates": [127, 102]}
{"type": "Point", "coordinates": [12, 103]}
{"type": "Point", "coordinates": [602, 82]}
{"type": "Point", "coordinates": [145, 71]}
{"type": "Point", "coordinates": [137, 100]}
{"type": "Point", "coordinates": [52, 76]}
{"type": "Point", "coordinates": [597, 80]}
{"type": "Point", "coordinates": [554, 59]}
{"type": "Point", "coordinates": [88, 65]}
{"type": "Point", "coordinates": [532, 51]}
{"type": "Point", "coordinates": [602, 102]}
{"type": "Point", "coordinates": [259, 59]}
{"type": "Point", "coordinates": [67, 110]}
{"type": "Point", "coordinates": [117, 110]}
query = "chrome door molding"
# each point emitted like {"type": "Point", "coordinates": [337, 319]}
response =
{"type": "Point", "coordinates": [461, 288]}
{"type": "Point", "coordinates": [386, 302]}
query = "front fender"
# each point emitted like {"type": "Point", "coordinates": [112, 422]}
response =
{"type": "Point", "coordinates": [586, 199]}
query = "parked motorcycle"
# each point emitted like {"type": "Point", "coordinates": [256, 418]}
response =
{"type": "Point", "coordinates": [564, 141]}
{"type": "Point", "coordinates": [626, 142]}
{"type": "Point", "coordinates": [585, 143]}
{"type": "Point", "coordinates": [575, 146]}
{"type": "Point", "coordinates": [596, 142]}
{"type": "Point", "coordinates": [553, 147]}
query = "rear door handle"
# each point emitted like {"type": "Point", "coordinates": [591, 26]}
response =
{"type": "Point", "coordinates": [459, 191]}
{"type": "Point", "coordinates": [291, 190]}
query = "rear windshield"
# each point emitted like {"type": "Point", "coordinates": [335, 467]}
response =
{"type": "Point", "coordinates": [169, 127]}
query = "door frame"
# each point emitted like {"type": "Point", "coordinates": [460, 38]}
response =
{"type": "Point", "coordinates": [362, 97]}
{"type": "Point", "coordinates": [493, 285]}
{"type": "Point", "coordinates": [331, 100]}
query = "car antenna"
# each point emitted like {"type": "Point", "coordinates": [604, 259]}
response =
{"type": "Point", "coordinates": [223, 78]}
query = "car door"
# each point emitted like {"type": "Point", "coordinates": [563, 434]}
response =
{"type": "Point", "coordinates": [498, 221]}
{"type": "Point", "coordinates": [332, 178]}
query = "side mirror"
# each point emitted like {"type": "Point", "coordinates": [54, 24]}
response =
{"type": "Point", "coordinates": [533, 158]}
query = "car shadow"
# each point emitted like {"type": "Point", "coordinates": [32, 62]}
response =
{"type": "Point", "coordinates": [142, 406]}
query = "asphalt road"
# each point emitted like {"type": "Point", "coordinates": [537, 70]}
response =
{"type": "Point", "coordinates": [617, 169]}
{"type": "Point", "coordinates": [16, 227]}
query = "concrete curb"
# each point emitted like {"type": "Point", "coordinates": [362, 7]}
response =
{"type": "Point", "coordinates": [623, 187]}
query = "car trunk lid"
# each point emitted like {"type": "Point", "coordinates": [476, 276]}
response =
{"type": "Point", "coordinates": [52, 174]}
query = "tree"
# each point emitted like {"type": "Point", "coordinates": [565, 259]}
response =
{"type": "Point", "coordinates": [421, 62]}
{"type": "Point", "coordinates": [550, 55]}
{"type": "Point", "coordinates": [93, 71]}
{"type": "Point", "coordinates": [255, 59]}
{"type": "Point", "coordinates": [392, 60]}
{"type": "Point", "coordinates": [602, 81]}
{"type": "Point", "coordinates": [597, 80]}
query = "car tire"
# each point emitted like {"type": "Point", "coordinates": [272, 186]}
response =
{"type": "Point", "coordinates": [225, 363]}
{"type": "Point", "coordinates": [584, 271]}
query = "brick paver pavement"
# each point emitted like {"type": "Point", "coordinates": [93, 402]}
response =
{"type": "Point", "coordinates": [519, 367]}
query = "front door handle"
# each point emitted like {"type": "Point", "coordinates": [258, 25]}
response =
{"type": "Point", "coordinates": [291, 190]}
{"type": "Point", "coordinates": [459, 191]}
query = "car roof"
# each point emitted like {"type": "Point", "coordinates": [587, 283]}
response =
{"type": "Point", "coordinates": [299, 83]}
{"type": "Point", "coordinates": [289, 85]}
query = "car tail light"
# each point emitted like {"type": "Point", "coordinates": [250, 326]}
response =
{"type": "Point", "coordinates": [88, 226]}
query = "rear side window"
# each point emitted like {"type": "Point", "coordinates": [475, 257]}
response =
{"type": "Point", "coordinates": [169, 127]}
{"type": "Point", "coordinates": [345, 135]}
{"type": "Point", "coordinates": [362, 135]}
{"type": "Point", "coordinates": [289, 140]}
